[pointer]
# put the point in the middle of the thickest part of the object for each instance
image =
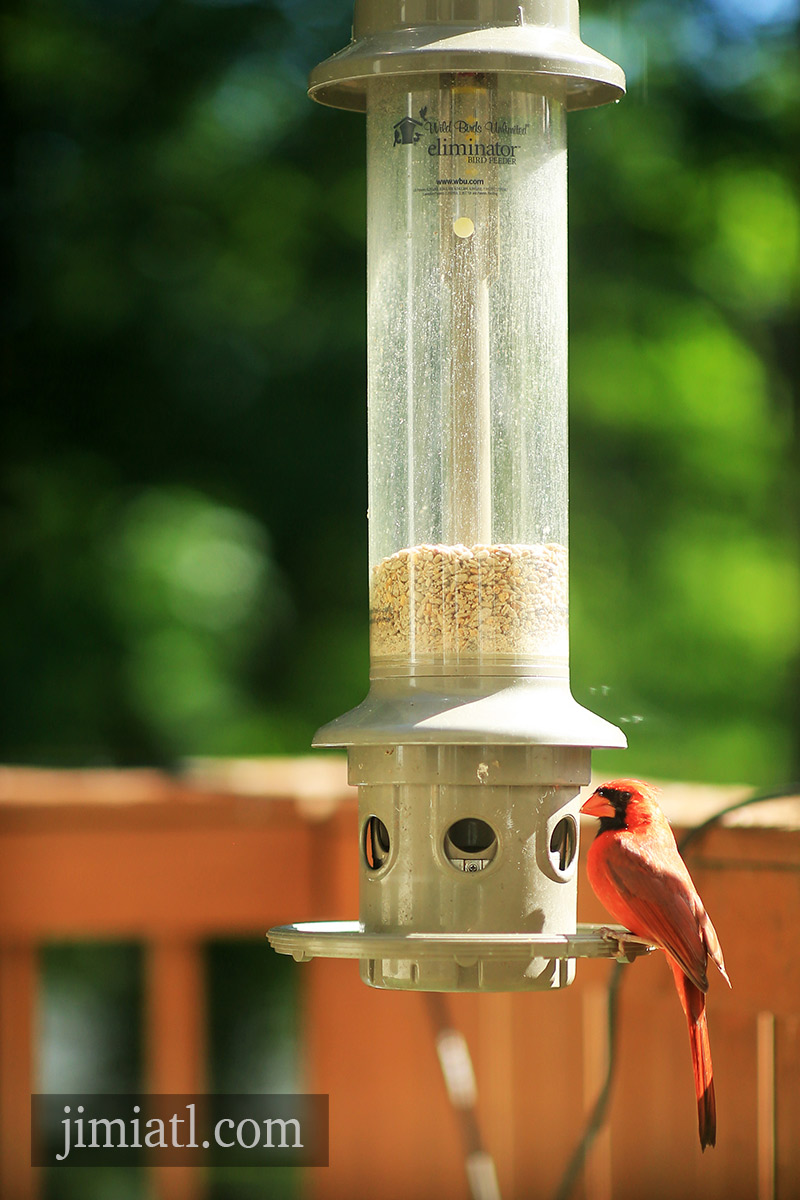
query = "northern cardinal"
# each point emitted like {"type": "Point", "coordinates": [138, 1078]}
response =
{"type": "Point", "coordinates": [637, 873]}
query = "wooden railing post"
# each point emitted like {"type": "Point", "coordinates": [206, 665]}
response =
{"type": "Point", "coordinates": [18, 997]}
{"type": "Point", "coordinates": [176, 1042]}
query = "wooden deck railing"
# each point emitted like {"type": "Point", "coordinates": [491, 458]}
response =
{"type": "Point", "coordinates": [231, 850]}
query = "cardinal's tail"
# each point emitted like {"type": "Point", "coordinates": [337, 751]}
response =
{"type": "Point", "coordinates": [694, 1005]}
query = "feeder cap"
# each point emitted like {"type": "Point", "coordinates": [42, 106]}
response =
{"type": "Point", "coordinates": [539, 38]}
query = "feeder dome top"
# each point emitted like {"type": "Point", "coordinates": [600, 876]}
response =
{"type": "Point", "coordinates": [539, 38]}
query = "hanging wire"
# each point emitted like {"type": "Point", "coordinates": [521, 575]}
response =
{"type": "Point", "coordinates": [597, 1117]}
{"type": "Point", "coordinates": [462, 1091]}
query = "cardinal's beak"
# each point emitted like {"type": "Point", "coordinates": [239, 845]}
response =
{"type": "Point", "coordinates": [598, 806]}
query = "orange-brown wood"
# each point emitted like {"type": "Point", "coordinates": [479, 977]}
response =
{"type": "Point", "coordinates": [175, 1033]}
{"type": "Point", "coordinates": [18, 1008]}
{"type": "Point", "coordinates": [239, 847]}
{"type": "Point", "coordinates": [765, 1105]}
{"type": "Point", "coordinates": [237, 870]}
{"type": "Point", "coordinates": [787, 1108]}
{"type": "Point", "coordinates": [596, 1056]}
{"type": "Point", "coordinates": [755, 911]}
{"type": "Point", "coordinates": [393, 1133]}
{"type": "Point", "coordinates": [494, 1053]}
{"type": "Point", "coordinates": [175, 1043]}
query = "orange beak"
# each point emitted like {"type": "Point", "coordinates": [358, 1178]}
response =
{"type": "Point", "coordinates": [598, 806]}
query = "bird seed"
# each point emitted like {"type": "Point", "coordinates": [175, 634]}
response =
{"type": "Point", "coordinates": [440, 602]}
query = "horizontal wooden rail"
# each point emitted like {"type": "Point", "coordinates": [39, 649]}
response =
{"type": "Point", "coordinates": [228, 849]}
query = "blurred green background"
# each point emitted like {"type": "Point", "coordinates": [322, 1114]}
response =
{"type": "Point", "coordinates": [184, 439]}
{"type": "Point", "coordinates": [184, 534]}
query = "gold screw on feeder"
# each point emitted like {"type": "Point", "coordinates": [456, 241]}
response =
{"type": "Point", "coordinates": [469, 750]}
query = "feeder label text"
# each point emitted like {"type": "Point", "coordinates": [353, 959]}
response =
{"type": "Point", "coordinates": [495, 143]}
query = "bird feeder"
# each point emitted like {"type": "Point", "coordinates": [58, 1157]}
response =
{"type": "Point", "coordinates": [469, 750]}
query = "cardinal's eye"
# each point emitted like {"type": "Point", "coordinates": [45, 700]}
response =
{"type": "Point", "coordinates": [615, 795]}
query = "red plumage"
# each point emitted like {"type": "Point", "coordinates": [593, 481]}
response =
{"type": "Point", "coordinates": [638, 874]}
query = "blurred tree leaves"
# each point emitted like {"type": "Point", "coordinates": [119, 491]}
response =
{"type": "Point", "coordinates": [684, 391]}
{"type": "Point", "coordinates": [184, 465]}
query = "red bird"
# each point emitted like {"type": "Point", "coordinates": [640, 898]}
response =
{"type": "Point", "coordinates": [637, 873]}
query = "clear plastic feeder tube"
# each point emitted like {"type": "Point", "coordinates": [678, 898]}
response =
{"type": "Point", "coordinates": [467, 301]}
{"type": "Point", "coordinates": [469, 751]}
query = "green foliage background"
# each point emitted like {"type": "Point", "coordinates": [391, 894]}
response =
{"type": "Point", "coordinates": [183, 452]}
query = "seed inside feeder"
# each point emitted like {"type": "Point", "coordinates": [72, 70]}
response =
{"type": "Point", "coordinates": [441, 601]}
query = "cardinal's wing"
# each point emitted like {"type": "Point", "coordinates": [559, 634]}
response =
{"type": "Point", "coordinates": [658, 892]}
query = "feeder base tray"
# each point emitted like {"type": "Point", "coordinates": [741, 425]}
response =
{"type": "Point", "coordinates": [457, 961]}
